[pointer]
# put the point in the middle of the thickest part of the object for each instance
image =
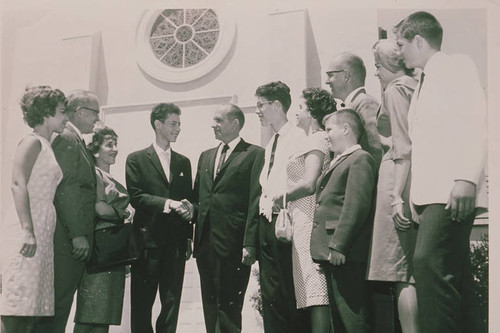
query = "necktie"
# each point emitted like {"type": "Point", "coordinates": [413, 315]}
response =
{"type": "Point", "coordinates": [166, 159]}
{"type": "Point", "coordinates": [421, 82]}
{"type": "Point", "coordinates": [342, 105]}
{"type": "Point", "coordinates": [222, 158]}
{"type": "Point", "coordinates": [271, 160]}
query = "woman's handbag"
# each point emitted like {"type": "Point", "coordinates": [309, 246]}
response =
{"type": "Point", "coordinates": [284, 228]}
{"type": "Point", "coordinates": [115, 246]}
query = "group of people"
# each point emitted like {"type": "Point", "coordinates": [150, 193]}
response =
{"type": "Point", "coordinates": [375, 192]}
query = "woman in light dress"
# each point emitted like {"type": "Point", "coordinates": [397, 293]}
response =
{"type": "Point", "coordinates": [27, 244]}
{"type": "Point", "coordinates": [100, 296]}
{"type": "Point", "coordinates": [303, 170]}
{"type": "Point", "coordinates": [394, 234]}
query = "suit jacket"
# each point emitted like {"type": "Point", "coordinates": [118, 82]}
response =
{"type": "Point", "coordinates": [76, 195]}
{"type": "Point", "coordinates": [149, 189]}
{"type": "Point", "coordinates": [344, 211]}
{"type": "Point", "coordinates": [367, 107]}
{"type": "Point", "coordinates": [230, 201]}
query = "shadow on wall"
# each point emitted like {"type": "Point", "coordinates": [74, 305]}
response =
{"type": "Point", "coordinates": [199, 82]}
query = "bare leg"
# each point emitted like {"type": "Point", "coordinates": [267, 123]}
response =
{"type": "Point", "coordinates": [320, 319]}
{"type": "Point", "coordinates": [407, 307]}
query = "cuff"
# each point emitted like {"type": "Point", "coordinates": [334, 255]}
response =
{"type": "Point", "coordinates": [166, 208]}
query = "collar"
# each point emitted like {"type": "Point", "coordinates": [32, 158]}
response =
{"type": "Point", "coordinates": [103, 172]}
{"type": "Point", "coordinates": [232, 144]}
{"type": "Point", "coordinates": [160, 151]}
{"type": "Point", "coordinates": [75, 129]}
{"type": "Point", "coordinates": [348, 151]}
{"type": "Point", "coordinates": [283, 130]}
{"type": "Point", "coordinates": [352, 95]}
{"type": "Point", "coordinates": [434, 61]}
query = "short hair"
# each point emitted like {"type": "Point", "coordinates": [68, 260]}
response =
{"type": "Point", "coordinates": [100, 134]}
{"type": "Point", "coordinates": [423, 24]}
{"type": "Point", "coordinates": [350, 117]}
{"type": "Point", "coordinates": [161, 112]}
{"type": "Point", "coordinates": [355, 65]}
{"type": "Point", "coordinates": [78, 98]}
{"type": "Point", "coordinates": [319, 103]}
{"type": "Point", "coordinates": [276, 91]}
{"type": "Point", "coordinates": [40, 102]}
{"type": "Point", "coordinates": [386, 52]}
{"type": "Point", "coordinates": [235, 112]}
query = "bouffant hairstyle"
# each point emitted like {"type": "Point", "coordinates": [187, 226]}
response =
{"type": "Point", "coordinates": [319, 103]}
{"type": "Point", "coordinates": [100, 134]}
{"type": "Point", "coordinates": [276, 91]}
{"type": "Point", "coordinates": [386, 52]}
{"type": "Point", "coordinates": [161, 112]}
{"type": "Point", "coordinates": [423, 24]}
{"type": "Point", "coordinates": [40, 102]}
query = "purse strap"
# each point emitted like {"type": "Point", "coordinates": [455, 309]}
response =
{"type": "Point", "coordinates": [284, 200]}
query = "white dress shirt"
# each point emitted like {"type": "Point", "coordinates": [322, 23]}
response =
{"type": "Point", "coordinates": [448, 130]}
{"type": "Point", "coordinates": [231, 145]}
{"type": "Point", "coordinates": [76, 130]}
{"type": "Point", "coordinates": [290, 137]}
{"type": "Point", "coordinates": [164, 157]}
{"type": "Point", "coordinates": [348, 151]}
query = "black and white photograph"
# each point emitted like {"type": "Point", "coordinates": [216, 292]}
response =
{"type": "Point", "coordinates": [249, 166]}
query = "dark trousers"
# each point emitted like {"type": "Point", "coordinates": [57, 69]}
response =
{"type": "Point", "coordinates": [276, 283]}
{"type": "Point", "coordinates": [163, 269]}
{"type": "Point", "coordinates": [443, 275]}
{"type": "Point", "coordinates": [224, 281]}
{"type": "Point", "coordinates": [68, 273]}
{"type": "Point", "coordinates": [350, 297]}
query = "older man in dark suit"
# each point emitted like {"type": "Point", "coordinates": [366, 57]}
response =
{"type": "Point", "coordinates": [74, 202]}
{"type": "Point", "coordinates": [346, 77]}
{"type": "Point", "coordinates": [158, 179]}
{"type": "Point", "coordinates": [227, 192]}
{"type": "Point", "coordinates": [342, 223]}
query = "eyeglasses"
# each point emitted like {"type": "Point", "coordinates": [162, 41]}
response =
{"type": "Point", "coordinates": [261, 104]}
{"type": "Point", "coordinates": [330, 73]}
{"type": "Point", "coordinates": [86, 108]}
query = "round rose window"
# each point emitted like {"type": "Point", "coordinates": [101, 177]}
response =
{"type": "Point", "coordinates": [179, 45]}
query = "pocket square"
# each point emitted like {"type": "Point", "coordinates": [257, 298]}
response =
{"type": "Point", "coordinates": [182, 174]}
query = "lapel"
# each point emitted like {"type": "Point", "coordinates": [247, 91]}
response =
{"type": "Point", "coordinates": [83, 148]}
{"type": "Point", "coordinates": [331, 168]}
{"type": "Point", "coordinates": [155, 160]}
{"type": "Point", "coordinates": [241, 146]}
{"type": "Point", "coordinates": [174, 165]}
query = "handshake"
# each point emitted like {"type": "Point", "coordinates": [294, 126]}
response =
{"type": "Point", "coordinates": [184, 208]}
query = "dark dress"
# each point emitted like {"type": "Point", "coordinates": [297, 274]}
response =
{"type": "Point", "coordinates": [100, 296]}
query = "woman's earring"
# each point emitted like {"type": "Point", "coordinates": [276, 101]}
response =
{"type": "Point", "coordinates": [96, 155]}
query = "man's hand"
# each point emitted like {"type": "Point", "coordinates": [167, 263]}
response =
{"type": "Point", "coordinates": [81, 248]}
{"type": "Point", "coordinates": [189, 207]}
{"type": "Point", "coordinates": [248, 255]}
{"type": "Point", "coordinates": [181, 209]}
{"type": "Point", "coordinates": [336, 258]}
{"type": "Point", "coordinates": [189, 249]}
{"type": "Point", "coordinates": [462, 201]}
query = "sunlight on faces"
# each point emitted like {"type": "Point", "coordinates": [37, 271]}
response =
{"type": "Point", "coordinates": [58, 120]}
{"type": "Point", "coordinates": [108, 150]}
{"type": "Point", "coordinates": [264, 110]}
{"type": "Point", "coordinates": [225, 129]}
{"type": "Point", "coordinates": [302, 114]}
{"type": "Point", "coordinates": [170, 128]}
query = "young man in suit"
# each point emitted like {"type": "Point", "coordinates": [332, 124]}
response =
{"type": "Point", "coordinates": [226, 192]}
{"type": "Point", "coordinates": [158, 179]}
{"type": "Point", "coordinates": [275, 258]}
{"type": "Point", "coordinates": [75, 206]}
{"type": "Point", "coordinates": [447, 117]}
{"type": "Point", "coordinates": [343, 222]}
{"type": "Point", "coordinates": [346, 77]}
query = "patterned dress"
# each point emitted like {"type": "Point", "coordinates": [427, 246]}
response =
{"type": "Point", "coordinates": [100, 296]}
{"type": "Point", "coordinates": [308, 278]}
{"type": "Point", "coordinates": [28, 283]}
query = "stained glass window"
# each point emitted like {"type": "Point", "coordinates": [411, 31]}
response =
{"type": "Point", "coordinates": [181, 38]}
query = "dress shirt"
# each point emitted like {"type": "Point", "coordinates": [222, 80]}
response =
{"type": "Point", "coordinates": [351, 96]}
{"type": "Point", "coordinates": [76, 130]}
{"type": "Point", "coordinates": [348, 151]}
{"type": "Point", "coordinates": [231, 145]}
{"type": "Point", "coordinates": [164, 157]}
{"type": "Point", "coordinates": [447, 127]}
{"type": "Point", "coordinates": [274, 184]}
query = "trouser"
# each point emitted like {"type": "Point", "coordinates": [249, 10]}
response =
{"type": "Point", "coordinates": [68, 273]}
{"type": "Point", "coordinates": [443, 274]}
{"type": "Point", "coordinates": [224, 282]}
{"type": "Point", "coordinates": [350, 297]}
{"type": "Point", "coordinates": [276, 283]}
{"type": "Point", "coordinates": [159, 269]}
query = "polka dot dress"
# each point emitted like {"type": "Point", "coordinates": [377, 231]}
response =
{"type": "Point", "coordinates": [309, 279]}
{"type": "Point", "coordinates": [28, 283]}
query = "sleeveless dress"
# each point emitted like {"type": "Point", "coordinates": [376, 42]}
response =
{"type": "Point", "coordinates": [391, 249]}
{"type": "Point", "coordinates": [28, 283]}
{"type": "Point", "coordinates": [308, 277]}
{"type": "Point", "coordinates": [100, 296]}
